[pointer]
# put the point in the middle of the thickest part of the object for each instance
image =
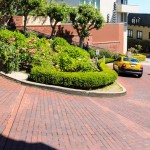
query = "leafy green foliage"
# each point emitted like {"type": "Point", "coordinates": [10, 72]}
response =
{"type": "Point", "coordinates": [85, 18]}
{"type": "Point", "coordinates": [106, 53]}
{"type": "Point", "coordinates": [48, 64]}
{"type": "Point", "coordinates": [107, 60]}
{"type": "Point", "coordinates": [7, 7]}
{"type": "Point", "coordinates": [144, 43]}
{"type": "Point", "coordinates": [57, 13]}
{"type": "Point", "coordinates": [80, 80]}
{"type": "Point", "coordinates": [9, 57]}
{"type": "Point", "coordinates": [140, 57]}
{"type": "Point", "coordinates": [27, 6]}
{"type": "Point", "coordinates": [58, 43]}
{"type": "Point", "coordinates": [31, 51]}
{"type": "Point", "coordinates": [71, 58]}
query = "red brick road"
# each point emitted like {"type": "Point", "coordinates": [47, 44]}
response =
{"type": "Point", "coordinates": [35, 119]}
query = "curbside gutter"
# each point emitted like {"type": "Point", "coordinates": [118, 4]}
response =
{"type": "Point", "coordinates": [90, 93]}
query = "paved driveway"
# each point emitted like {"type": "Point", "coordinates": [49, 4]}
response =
{"type": "Point", "coordinates": [35, 119]}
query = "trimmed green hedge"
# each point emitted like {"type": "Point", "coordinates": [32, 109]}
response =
{"type": "Point", "coordinates": [77, 80]}
{"type": "Point", "coordinates": [140, 57]}
{"type": "Point", "coordinates": [107, 60]}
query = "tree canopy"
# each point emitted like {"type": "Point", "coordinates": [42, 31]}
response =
{"type": "Point", "coordinates": [57, 13]}
{"type": "Point", "coordinates": [26, 6]}
{"type": "Point", "coordinates": [85, 18]}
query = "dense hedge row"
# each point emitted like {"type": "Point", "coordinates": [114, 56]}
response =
{"type": "Point", "coordinates": [144, 43]}
{"type": "Point", "coordinates": [140, 57]}
{"type": "Point", "coordinates": [79, 80]}
{"type": "Point", "coordinates": [107, 60]}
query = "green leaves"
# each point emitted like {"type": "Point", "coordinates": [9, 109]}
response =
{"type": "Point", "coordinates": [71, 58]}
{"type": "Point", "coordinates": [16, 49]}
{"type": "Point", "coordinates": [80, 80]}
{"type": "Point", "coordinates": [84, 19]}
{"type": "Point", "coordinates": [9, 57]}
{"type": "Point", "coordinates": [57, 13]}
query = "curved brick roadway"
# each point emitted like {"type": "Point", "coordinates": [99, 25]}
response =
{"type": "Point", "coordinates": [35, 119]}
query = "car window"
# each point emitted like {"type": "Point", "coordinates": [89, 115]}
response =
{"type": "Point", "coordinates": [134, 60]}
{"type": "Point", "coordinates": [130, 59]}
{"type": "Point", "coordinates": [125, 59]}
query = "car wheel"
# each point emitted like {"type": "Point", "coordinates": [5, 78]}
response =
{"type": "Point", "coordinates": [140, 75]}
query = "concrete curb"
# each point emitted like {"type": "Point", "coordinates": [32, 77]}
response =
{"type": "Point", "coordinates": [90, 93]}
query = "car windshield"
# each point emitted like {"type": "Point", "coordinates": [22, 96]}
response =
{"type": "Point", "coordinates": [130, 59]}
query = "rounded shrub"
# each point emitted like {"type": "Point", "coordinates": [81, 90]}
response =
{"type": "Point", "coordinates": [79, 80]}
{"type": "Point", "coordinates": [140, 57]}
{"type": "Point", "coordinates": [73, 59]}
{"type": "Point", "coordinates": [58, 43]}
{"type": "Point", "coordinates": [9, 57]}
{"type": "Point", "coordinates": [107, 60]}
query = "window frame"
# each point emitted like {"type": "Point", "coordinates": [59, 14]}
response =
{"type": "Point", "coordinates": [130, 33]}
{"type": "Point", "coordinates": [139, 34]}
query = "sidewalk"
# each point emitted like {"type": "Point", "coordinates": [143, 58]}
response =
{"type": "Point", "coordinates": [113, 90]}
{"type": "Point", "coordinates": [147, 62]}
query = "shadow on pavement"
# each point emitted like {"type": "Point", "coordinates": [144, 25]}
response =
{"type": "Point", "coordinates": [128, 75]}
{"type": "Point", "coordinates": [10, 144]}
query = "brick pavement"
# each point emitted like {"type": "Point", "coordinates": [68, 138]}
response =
{"type": "Point", "coordinates": [31, 118]}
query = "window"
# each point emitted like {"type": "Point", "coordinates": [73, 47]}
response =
{"type": "Point", "coordinates": [139, 34]}
{"type": "Point", "coordinates": [133, 20]}
{"type": "Point", "coordinates": [125, 2]}
{"type": "Point", "coordinates": [130, 59]}
{"type": "Point", "coordinates": [130, 33]}
{"type": "Point", "coordinates": [123, 17]}
{"type": "Point", "coordinates": [136, 20]}
{"type": "Point", "coordinates": [95, 3]}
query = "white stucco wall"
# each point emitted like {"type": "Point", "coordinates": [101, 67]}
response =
{"type": "Point", "coordinates": [106, 7]}
{"type": "Point", "coordinates": [125, 38]}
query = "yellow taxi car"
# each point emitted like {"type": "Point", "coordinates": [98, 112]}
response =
{"type": "Point", "coordinates": [128, 65]}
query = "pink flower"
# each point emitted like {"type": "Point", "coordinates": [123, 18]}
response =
{"type": "Point", "coordinates": [33, 39]}
{"type": "Point", "coordinates": [12, 39]}
{"type": "Point", "coordinates": [24, 49]}
{"type": "Point", "coordinates": [42, 51]}
{"type": "Point", "coordinates": [29, 42]}
{"type": "Point", "coordinates": [32, 51]}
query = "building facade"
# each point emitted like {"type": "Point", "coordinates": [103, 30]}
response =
{"type": "Point", "coordinates": [139, 26]}
{"type": "Point", "coordinates": [109, 8]}
{"type": "Point", "coordinates": [113, 11]}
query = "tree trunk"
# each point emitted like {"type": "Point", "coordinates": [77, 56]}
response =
{"type": "Point", "coordinates": [81, 44]}
{"type": "Point", "coordinates": [25, 24]}
{"type": "Point", "coordinates": [52, 33]}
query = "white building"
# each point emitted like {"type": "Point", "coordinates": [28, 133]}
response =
{"type": "Point", "coordinates": [113, 11]}
{"type": "Point", "coordinates": [107, 8]}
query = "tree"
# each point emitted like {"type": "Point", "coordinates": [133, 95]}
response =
{"type": "Point", "coordinates": [57, 13]}
{"type": "Point", "coordinates": [85, 18]}
{"type": "Point", "coordinates": [7, 7]}
{"type": "Point", "coordinates": [27, 6]}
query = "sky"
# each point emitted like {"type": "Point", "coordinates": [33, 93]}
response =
{"type": "Point", "coordinates": [144, 5]}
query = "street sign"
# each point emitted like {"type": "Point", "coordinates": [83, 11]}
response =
{"type": "Point", "coordinates": [97, 51]}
